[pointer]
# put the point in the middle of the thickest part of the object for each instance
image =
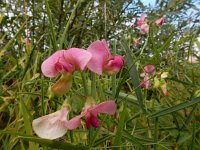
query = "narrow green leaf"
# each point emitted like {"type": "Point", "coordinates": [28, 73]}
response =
{"type": "Point", "coordinates": [11, 40]}
{"type": "Point", "coordinates": [101, 140]}
{"type": "Point", "coordinates": [156, 133]}
{"type": "Point", "coordinates": [167, 43]}
{"type": "Point", "coordinates": [53, 37]}
{"type": "Point", "coordinates": [46, 142]}
{"type": "Point", "coordinates": [118, 135]}
{"type": "Point", "coordinates": [133, 140]}
{"type": "Point", "coordinates": [27, 123]}
{"type": "Point", "coordinates": [176, 107]}
{"type": "Point", "coordinates": [68, 24]}
{"type": "Point", "coordinates": [134, 76]}
{"type": "Point", "coordinates": [53, 144]}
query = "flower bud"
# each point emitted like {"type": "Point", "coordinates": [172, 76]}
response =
{"type": "Point", "coordinates": [114, 65]}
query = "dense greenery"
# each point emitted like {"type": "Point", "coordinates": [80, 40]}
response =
{"type": "Point", "coordinates": [145, 118]}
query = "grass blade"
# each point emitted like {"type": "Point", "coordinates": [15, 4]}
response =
{"type": "Point", "coordinates": [134, 77]}
{"type": "Point", "coordinates": [53, 37]}
{"type": "Point", "coordinates": [68, 24]}
{"type": "Point", "coordinates": [176, 108]}
{"type": "Point", "coordinates": [46, 142]}
{"type": "Point", "coordinates": [118, 135]}
{"type": "Point", "coordinates": [11, 40]}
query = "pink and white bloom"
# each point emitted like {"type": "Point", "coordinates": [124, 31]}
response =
{"type": "Point", "coordinates": [65, 62]}
{"type": "Point", "coordinates": [144, 27]}
{"type": "Point", "coordinates": [102, 60]}
{"type": "Point", "coordinates": [90, 112]}
{"type": "Point", "coordinates": [159, 22]}
{"type": "Point", "coordinates": [149, 70]}
{"type": "Point", "coordinates": [141, 21]}
{"type": "Point", "coordinates": [51, 126]}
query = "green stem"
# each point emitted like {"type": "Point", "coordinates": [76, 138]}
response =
{"type": "Point", "coordinates": [93, 86]}
{"type": "Point", "coordinates": [114, 76]}
{"type": "Point", "coordinates": [51, 25]}
{"type": "Point", "coordinates": [85, 87]}
{"type": "Point", "coordinates": [156, 133]}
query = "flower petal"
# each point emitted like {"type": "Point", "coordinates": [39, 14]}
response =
{"type": "Point", "coordinates": [144, 28]}
{"type": "Point", "coordinates": [100, 54]}
{"type": "Point", "coordinates": [78, 57]}
{"type": "Point", "coordinates": [51, 126]}
{"type": "Point", "coordinates": [150, 69]}
{"type": "Point", "coordinates": [48, 66]}
{"type": "Point", "coordinates": [114, 65]}
{"type": "Point", "coordinates": [74, 122]}
{"type": "Point", "coordinates": [160, 22]}
{"type": "Point", "coordinates": [141, 21]}
{"type": "Point", "coordinates": [108, 107]}
{"type": "Point", "coordinates": [92, 120]}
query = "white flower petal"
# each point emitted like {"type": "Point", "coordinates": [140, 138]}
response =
{"type": "Point", "coordinates": [51, 126]}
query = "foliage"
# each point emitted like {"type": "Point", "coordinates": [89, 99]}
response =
{"type": "Point", "coordinates": [146, 118]}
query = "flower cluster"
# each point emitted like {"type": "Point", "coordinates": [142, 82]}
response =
{"type": "Point", "coordinates": [144, 27]}
{"type": "Point", "coordinates": [150, 76]}
{"type": "Point", "coordinates": [96, 58]}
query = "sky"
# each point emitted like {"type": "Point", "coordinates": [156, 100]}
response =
{"type": "Point", "coordinates": [146, 2]}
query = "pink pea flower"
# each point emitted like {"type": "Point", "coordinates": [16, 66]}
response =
{"type": "Point", "coordinates": [149, 70]}
{"type": "Point", "coordinates": [102, 60]}
{"type": "Point", "coordinates": [90, 112]}
{"type": "Point", "coordinates": [65, 62]}
{"type": "Point", "coordinates": [141, 21]}
{"type": "Point", "coordinates": [51, 126]}
{"type": "Point", "coordinates": [145, 83]}
{"type": "Point", "coordinates": [159, 22]}
{"type": "Point", "coordinates": [144, 28]}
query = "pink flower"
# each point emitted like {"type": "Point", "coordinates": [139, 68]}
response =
{"type": "Point", "coordinates": [145, 83]}
{"type": "Point", "coordinates": [65, 62]}
{"type": "Point", "coordinates": [159, 22]}
{"type": "Point", "coordinates": [90, 112]}
{"type": "Point", "coordinates": [102, 60]}
{"type": "Point", "coordinates": [141, 21]}
{"type": "Point", "coordinates": [149, 70]}
{"type": "Point", "coordinates": [51, 126]}
{"type": "Point", "coordinates": [144, 28]}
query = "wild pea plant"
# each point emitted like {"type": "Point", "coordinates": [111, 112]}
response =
{"type": "Point", "coordinates": [99, 75]}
